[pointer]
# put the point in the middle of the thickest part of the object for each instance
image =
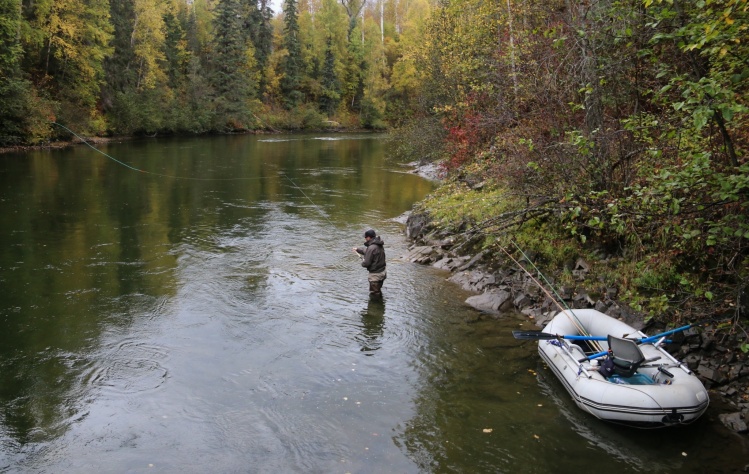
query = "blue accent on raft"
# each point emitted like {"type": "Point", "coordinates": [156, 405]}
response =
{"type": "Point", "coordinates": [637, 379]}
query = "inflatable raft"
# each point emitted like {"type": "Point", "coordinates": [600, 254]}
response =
{"type": "Point", "coordinates": [635, 383]}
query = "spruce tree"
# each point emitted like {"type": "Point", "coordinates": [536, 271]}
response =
{"type": "Point", "coordinates": [175, 52]}
{"type": "Point", "coordinates": [120, 75]}
{"type": "Point", "coordinates": [260, 32]}
{"type": "Point", "coordinates": [291, 68]}
{"type": "Point", "coordinates": [231, 77]}
{"type": "Point", "coordinates": [331, 93]}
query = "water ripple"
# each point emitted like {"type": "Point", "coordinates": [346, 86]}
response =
{"type": "Point", "coordinates": [127, 367]}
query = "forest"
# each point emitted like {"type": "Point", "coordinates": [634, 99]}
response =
{"type": "Point", "coordinates": [145, 67]}
{"type": "Point", "coordinates": [615, 130]}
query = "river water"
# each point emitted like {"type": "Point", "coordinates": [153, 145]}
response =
{"type": "Point", "coordinates": [206, 314]}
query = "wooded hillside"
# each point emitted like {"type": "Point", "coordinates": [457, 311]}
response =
{"type": "Point", "coordinates": [616, 130]}
{"type": "Point", "coordinates": [195, 66]}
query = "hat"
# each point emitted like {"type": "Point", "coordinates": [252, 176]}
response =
{"type": "Point", "coordinates": [370, 233]}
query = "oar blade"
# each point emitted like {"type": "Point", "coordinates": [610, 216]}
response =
{"type": "Point", "coordinates": [534, 335]}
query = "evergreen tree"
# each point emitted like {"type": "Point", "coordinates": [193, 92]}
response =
{"type": "Point", "coordinates": [120, 75]}
{"type": "Point", "coordinates": [233, 62]}
{"type": "Point", "coordinates": [260, 32]}
{"type": "Point", "coordinates": [176, 52]}
{"type": "Point", "coordinates": [331, 93]}
{"type": "Point", "coordinates": [292, 66]}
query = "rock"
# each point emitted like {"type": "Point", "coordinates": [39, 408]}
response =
{"type": "Point", "coordinates": [493, 301]}
{"type": "Point", "coordinates": [521, 301]}
{"type": "Point", "coordinates": [614, 311]}
{"type": "Point", "coordinates": [710, 374]}
{"type": "Point", "coordinates": [421, 254]}
{"type": "Point", "coordinates": [693, 361]}
{"type": "Point", "coordinates": [532, 289]}
{"type": "Point", "coordinates": [707, 343]}
{"type": "Point", "coordinates": [415, 225]}
{"type": "Point", "coordinates": [582, 300]}
{"type": "Point", "coordinates": [479, 281]}
{"type": "Point", "coordinates": [533, 313]}
{"type": "Point", "coordinates": [472, 261]}
{"type": "Point", "coordinates": [482, 281]}
{"type": "Point", "coordinates": [451, 263]}
{"type": "Point", "coordinates": [565, 293]}
{"type": "Point", "coordinates": [601, 306]}
{"type": "Point", "coordinates": [463, 279]}
{"type": "Point", "coordinates": [733, 422]}
{"type": "Point", "coordinates": [544, 318]}
{"type": "Point", "coordinates": [443, 264]}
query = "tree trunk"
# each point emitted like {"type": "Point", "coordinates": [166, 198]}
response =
{"type": "Point", "coordinates": [382, 21]}
{"type": "Point", "coordinates": [512, 52]}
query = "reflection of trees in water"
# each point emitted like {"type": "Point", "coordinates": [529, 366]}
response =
{"type": "Point", "coordinates": [83, 259]}
{"type": "Point", "coordinates": [373, 324]}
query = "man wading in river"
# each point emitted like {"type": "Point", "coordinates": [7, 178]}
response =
{"type": "Point", "coordinates": [373, 261]}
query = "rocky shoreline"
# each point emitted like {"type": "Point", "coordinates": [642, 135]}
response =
{"type": "Point", "coordinates": [711, 351]}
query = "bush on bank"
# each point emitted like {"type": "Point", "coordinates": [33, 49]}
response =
{"type": "Point", "coordinates": [674, 245]}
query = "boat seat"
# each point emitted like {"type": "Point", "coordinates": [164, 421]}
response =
{"type": "Point", "coordinates": [626, 355]}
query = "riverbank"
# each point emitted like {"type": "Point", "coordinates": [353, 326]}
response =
{"type": "Point", "coordinates": [60, 145]}
{"type": "Point", "coordinates": [712, 349]}
{"type": "Point", "coordinates": [334, 127]}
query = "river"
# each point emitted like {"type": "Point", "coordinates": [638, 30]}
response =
{"type": "Point", "coordinates": [193, 305]}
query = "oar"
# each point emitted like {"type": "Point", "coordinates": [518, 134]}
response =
{"type": "Point", "coordinates": [642, 340]}
{"type": "Point", "coordinates": [540, 335]}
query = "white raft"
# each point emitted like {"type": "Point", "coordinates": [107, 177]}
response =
{"type": "Point", "coordinates": [662, 392]}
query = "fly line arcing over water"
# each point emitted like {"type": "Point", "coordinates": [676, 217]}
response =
{"type": "Point", "coordinates": [192, 178]}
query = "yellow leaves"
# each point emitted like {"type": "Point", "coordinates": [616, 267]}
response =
{"type": "Point", "coordinates": [148, 37]}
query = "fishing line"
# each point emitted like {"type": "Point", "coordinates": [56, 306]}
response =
{"type": "Point", "coordinates": [319, 210]}
{"type": "Point", "coordinates": [86, 142]}
{"type": "Point", "coordinates": [556, 300]}
{"type": "Point", "coordinates": [310, 200]}
{"type": "Point", "coordinates": [151, 172]}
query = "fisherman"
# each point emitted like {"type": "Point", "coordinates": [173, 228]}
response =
{"type": "Point", "coordinates": [374, 261]}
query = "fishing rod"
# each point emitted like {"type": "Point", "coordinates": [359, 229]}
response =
{"type": "Point", "coordinates": [567, 311]}
{"type": "Point", "coordinates": [317, 208]}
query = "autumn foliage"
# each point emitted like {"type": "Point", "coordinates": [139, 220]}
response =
{"type": "Point", "coordinates": [618, 127]}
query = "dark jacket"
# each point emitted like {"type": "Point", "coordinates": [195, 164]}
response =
{"type": "Point", "coordinates": [374, 255]}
